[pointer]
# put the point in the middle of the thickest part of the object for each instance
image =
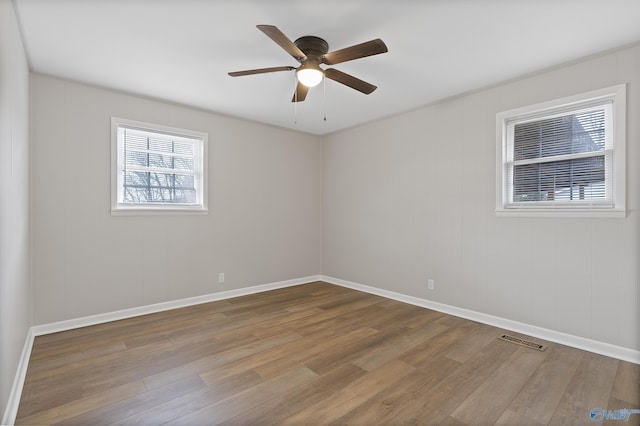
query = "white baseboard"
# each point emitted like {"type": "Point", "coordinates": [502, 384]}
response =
{"type": "Point", "coordinates": [590, 345]}
{"type": "Point", "coordinates": [56, 327]}
{"type": "Point", "coordinates": [38, 330]}
{"type": "Point", "coordinates": [11, 410]}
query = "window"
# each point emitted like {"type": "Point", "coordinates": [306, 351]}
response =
{"type": "Point", "coordinates": [563, 158]}
{"type": "Point", "coordinates": [157, 168]}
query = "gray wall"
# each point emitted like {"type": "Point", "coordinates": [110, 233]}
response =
{"type": "Point", "coordinates": [263, 226]}
{"type": "Point", "coordinates": [15, 285]}
{"type": "Point", "coordinates": [412, 197]}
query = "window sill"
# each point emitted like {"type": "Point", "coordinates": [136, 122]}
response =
{"type": "Point", "coordinates": [563, 213]}
{"type": "Point", "coordinates": [147, 211]}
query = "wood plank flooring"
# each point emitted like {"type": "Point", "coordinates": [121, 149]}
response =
{"type": "Point", "coordinates": [313, 354]}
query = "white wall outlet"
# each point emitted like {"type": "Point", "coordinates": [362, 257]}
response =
{"type": "Point", "coordinates": [220, 277]}
{"type": "Point", "coordinates": [431, 284]}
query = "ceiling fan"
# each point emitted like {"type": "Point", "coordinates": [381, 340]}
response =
{"type": "Point", "coordinates": [311, 51]}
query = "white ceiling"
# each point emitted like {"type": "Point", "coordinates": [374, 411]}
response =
{"type": "Point", "coordinates": [181, 50]}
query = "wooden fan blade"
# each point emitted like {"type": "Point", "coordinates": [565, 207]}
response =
{"type": "Point", "coordinates": [368, 48]}
{"type": "Point", "coordinates": [260, 71]}
{"type": "Point", "coordinates": [283, 41]}
{"type": "Point", "coordinates": [300, 94]}
{"type": "Point", "coordinates": [349, 80]}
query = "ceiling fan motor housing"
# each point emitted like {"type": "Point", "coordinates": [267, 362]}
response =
{"type": "Point", "coordinates": [312, 46]}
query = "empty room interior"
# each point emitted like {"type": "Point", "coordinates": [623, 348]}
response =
{"type": "Point", "coordinates": [340, 212]}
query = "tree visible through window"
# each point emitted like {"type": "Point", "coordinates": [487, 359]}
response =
{"type": "Point", "coordinates": [158, 168]}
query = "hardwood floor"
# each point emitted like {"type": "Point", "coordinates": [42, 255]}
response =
{"type": "Point", "coordinates": [313, 354]}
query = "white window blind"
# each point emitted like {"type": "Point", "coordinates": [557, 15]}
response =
{"type": "Point", "coordinates": [158, 168]}
{"type": "Point", "coordinates": [563, 155]}
{"type": "Point", "coordinates": [564, 159]}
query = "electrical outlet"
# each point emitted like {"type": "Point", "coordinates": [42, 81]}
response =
{"type": "Point", "coordinates": [220, 277]}
{"type": "Point", "coordinates": [431, 285]}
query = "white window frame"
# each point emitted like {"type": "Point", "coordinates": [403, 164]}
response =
{"type": "Point", "coordinates": [118, 207]}
{"type": "Point", "coordinates": [505, 207]}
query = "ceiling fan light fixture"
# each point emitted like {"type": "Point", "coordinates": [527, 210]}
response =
{"type": "Point", "coordinates": [310, 76]}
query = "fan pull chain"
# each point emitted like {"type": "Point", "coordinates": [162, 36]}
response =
{"type": "Point", "coordinates": [324, 94]}
{"type": "Point", "coordinates": [295, 99]}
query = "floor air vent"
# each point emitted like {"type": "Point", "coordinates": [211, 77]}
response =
{"type": "Point", "coordinates": [522, 342]}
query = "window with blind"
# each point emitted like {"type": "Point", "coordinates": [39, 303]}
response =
{"type": "Point", "coordinates": [157, 168]}
{"type": "Point", "coordinates": [563, 158]}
